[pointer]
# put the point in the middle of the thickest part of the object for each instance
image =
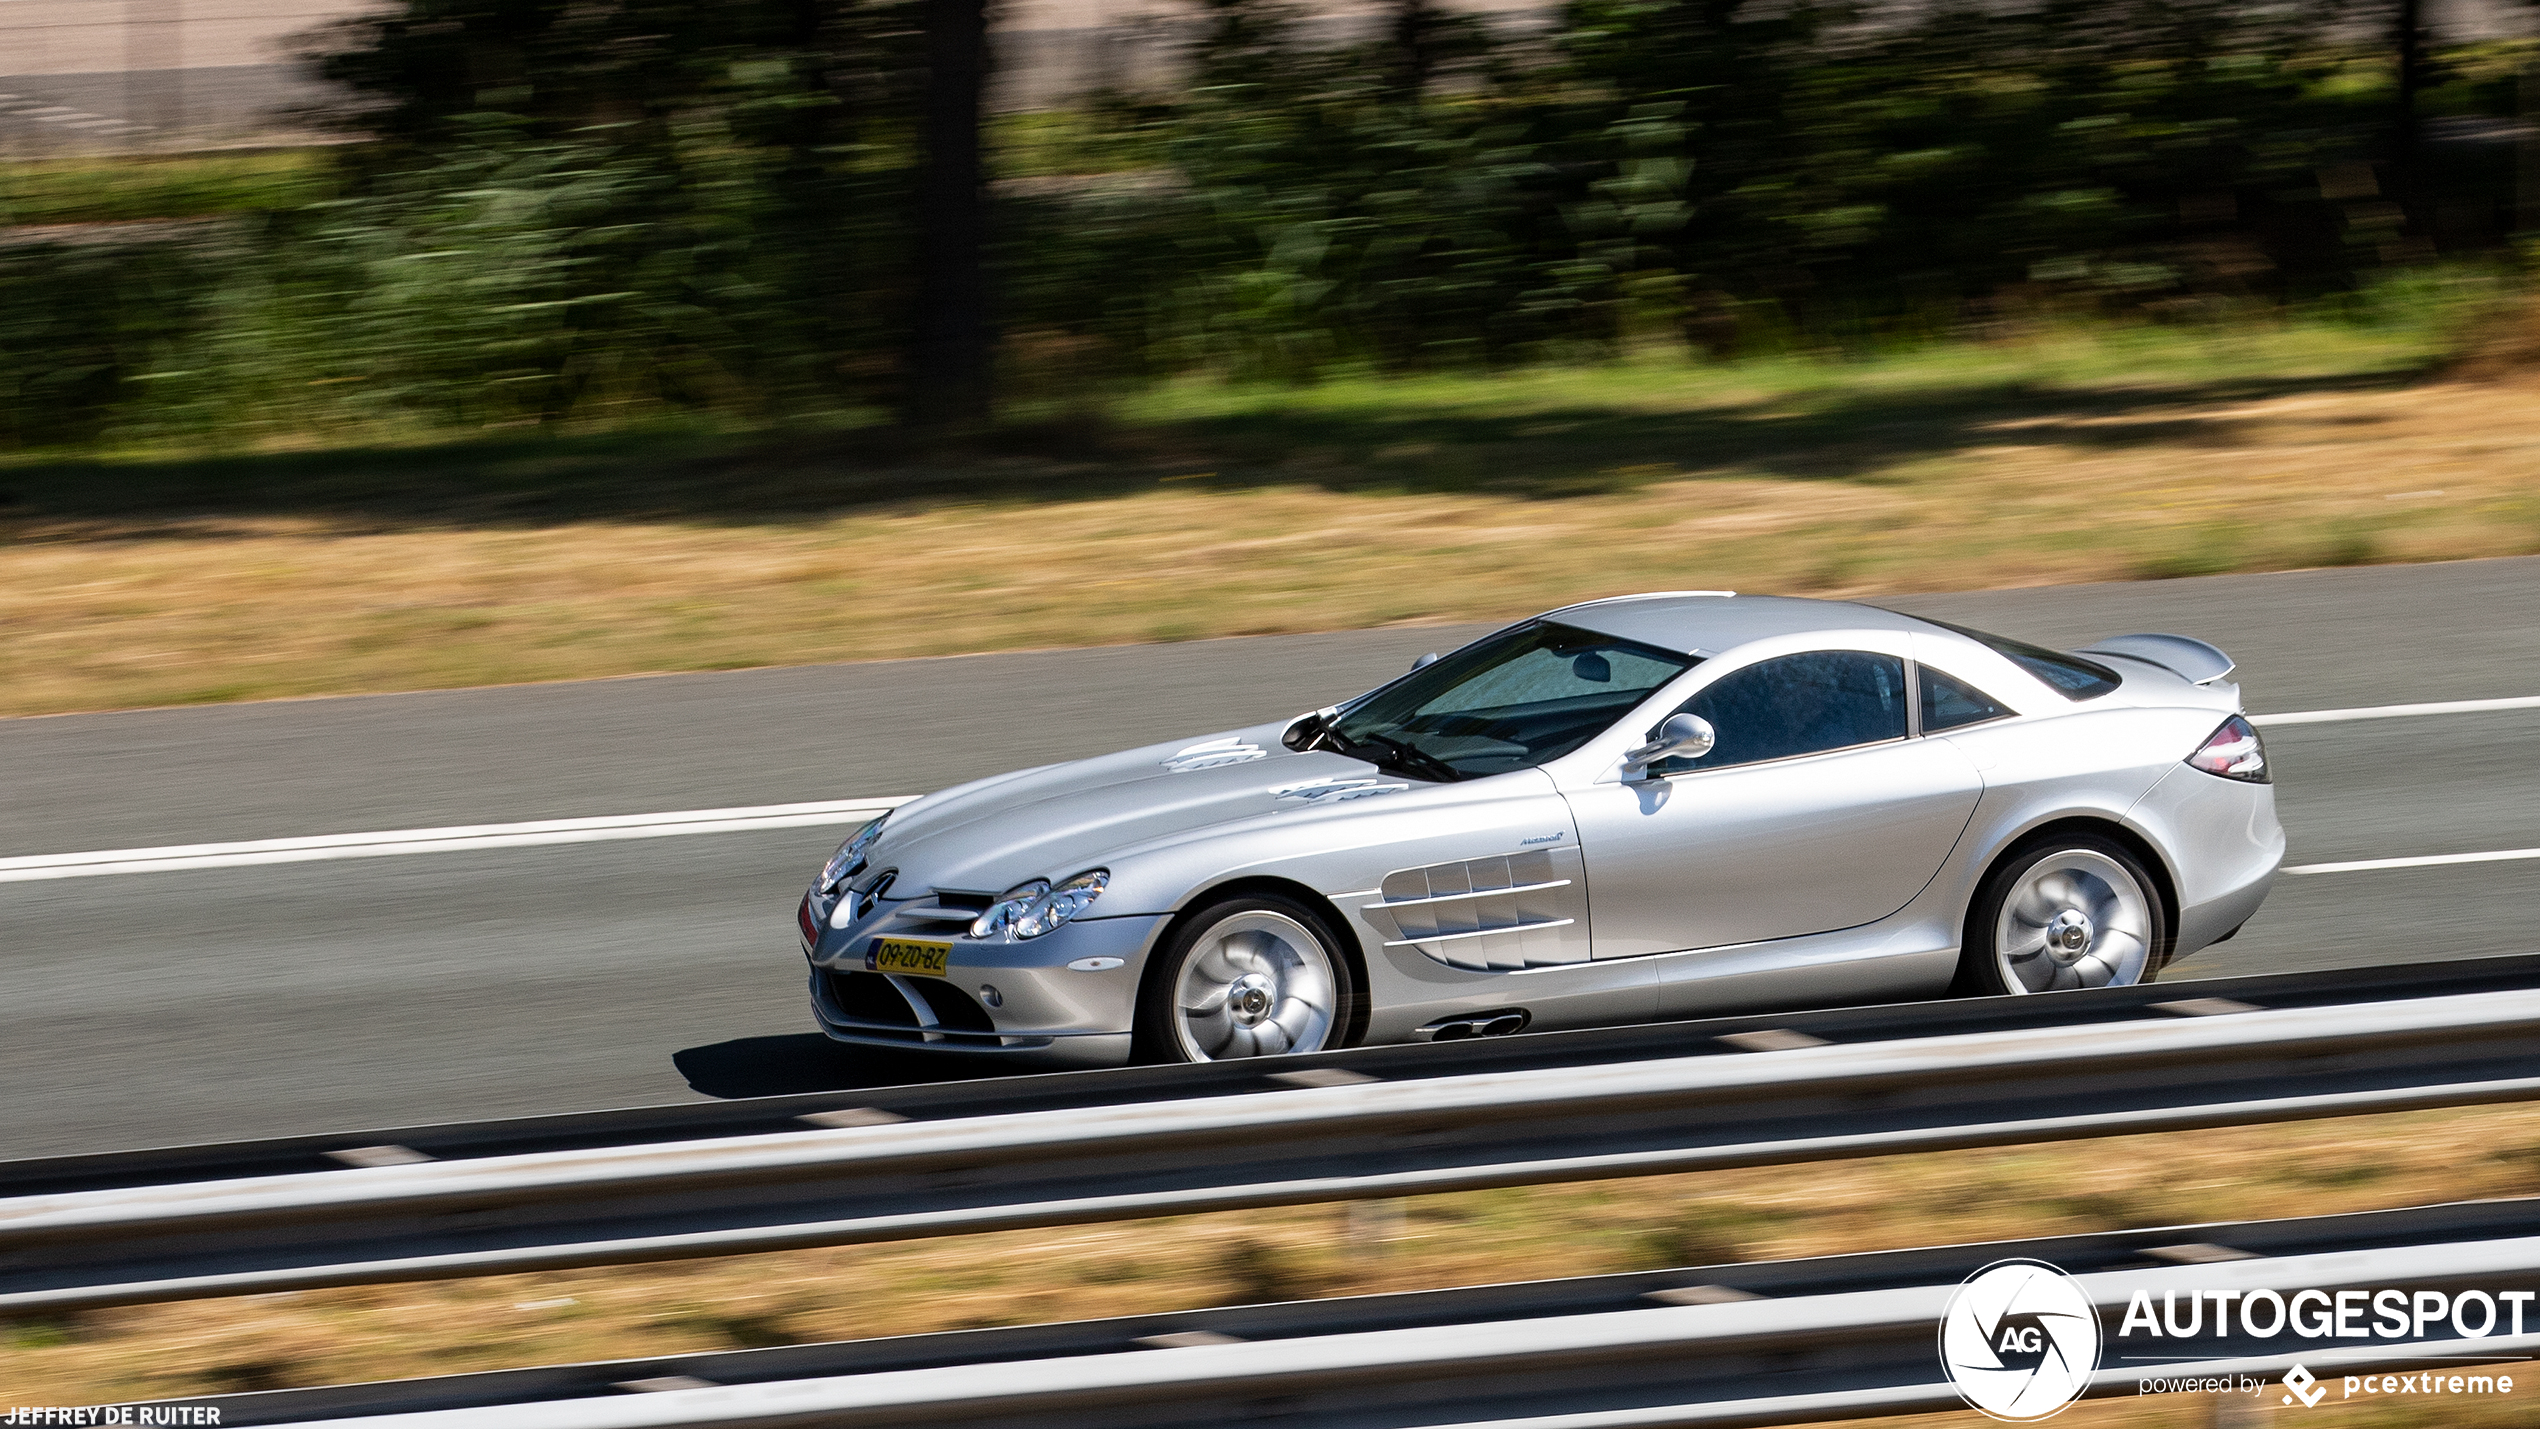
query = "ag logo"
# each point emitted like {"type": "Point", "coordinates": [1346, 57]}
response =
{"type": "Point", "coordinates": [2019, 1340]}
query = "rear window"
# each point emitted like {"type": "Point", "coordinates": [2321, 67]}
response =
{"type": "Point", "coordinates": [1951, 703]}
{"type": "Point", "coordinates": [2072, 676]}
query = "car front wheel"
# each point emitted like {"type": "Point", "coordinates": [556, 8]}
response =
{"type": "Point", "coordinates": [2073, 911]}
{"type": "Point", "coordinates": [1249, 977]}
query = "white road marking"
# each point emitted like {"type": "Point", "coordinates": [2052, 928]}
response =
{"type": "Point", "coordinates": [2522, 702]}
{"type": "Point", "coordinates": [2444, 707]}
{"type": "Point", "coordinates": [178, 857]}
{"type": "Point", "coordinates": [2366, 865]}
{"type": "Point", "coordinates": [393, 842]}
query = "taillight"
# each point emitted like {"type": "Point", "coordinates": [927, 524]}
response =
{"type": "Point", "coordinates": [2233, 751]}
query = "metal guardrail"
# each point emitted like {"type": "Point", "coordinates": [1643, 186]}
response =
{"type": "Point", "coordinates": [1305, 1144]}
{"type": "Point", "coordinates": [1771, 1343]}
{"type": "Point", "coordinates": [1004, 1095]}
{"type": "Point", "coordinates": [2381, 1234]}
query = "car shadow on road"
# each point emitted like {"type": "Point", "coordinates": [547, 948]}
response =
{"type": "Point", "coordinates": [805, 1062]}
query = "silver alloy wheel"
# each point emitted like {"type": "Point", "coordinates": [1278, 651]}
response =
{"type": "Point", "coordinates": [2076, 918]}
{"type": "Point", "coordinates": [1255, 984]}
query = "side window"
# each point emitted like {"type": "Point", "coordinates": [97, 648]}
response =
{"type": "Point", "coordinates": [1949, 702]}
{"type": "Point", "coordinates": [1799, 704]}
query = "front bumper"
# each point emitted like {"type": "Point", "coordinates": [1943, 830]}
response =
{"type": "Point", "coordinates": [998, 997]}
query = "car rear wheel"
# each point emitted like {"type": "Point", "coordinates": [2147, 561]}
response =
{"type": "Point", "coordinates": [1249, 977]}
{"type": "Point", "coordinates": [2073, 911]}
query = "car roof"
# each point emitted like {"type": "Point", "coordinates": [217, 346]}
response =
{"type": "Point", "coordinates": [1710, 622]}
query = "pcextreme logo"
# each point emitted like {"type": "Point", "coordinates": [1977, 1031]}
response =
{"type": "Point", "coordinates": [2301, 1384]}
{"type": "Point", "coordinates": [2019, 1340]}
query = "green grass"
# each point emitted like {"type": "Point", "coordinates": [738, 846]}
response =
{"type": "Point", "coordinates": [1544, 432]}
{"type": "Point", "coordinates": [123, 190]}
{"type": "Point", "coordinates": [2396, 333]}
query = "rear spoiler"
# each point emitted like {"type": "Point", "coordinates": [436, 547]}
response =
{"type": "Point", "coordinates": [2193, 660]}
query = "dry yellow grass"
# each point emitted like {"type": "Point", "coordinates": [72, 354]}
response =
{"type": "Point", "coordinates": [99, 611]}
{"type": "Point", "coordinates": [339, 1336]}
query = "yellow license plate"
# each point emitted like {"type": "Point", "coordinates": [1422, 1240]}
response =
{"type": "Point", "coordinates": [908, 955]}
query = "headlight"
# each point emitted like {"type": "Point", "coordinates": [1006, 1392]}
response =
{"type": "Point", "coordinates": [1062, 903]}
{"type": "Point", "coordinates": [1009, 906]}
{"type": "Point", "coordinates": [848, 861]}
{"type": "Point", "coordinates": [1035, 908]}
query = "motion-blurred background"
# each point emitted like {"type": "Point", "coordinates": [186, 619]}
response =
{"type": "Point", "coordinates": [351, 348]}
{"type": "Point", "coordinates": [228, 221]}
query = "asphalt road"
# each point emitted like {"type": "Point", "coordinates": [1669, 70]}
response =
{"type": "Point", "coordinates": [220, 1003]}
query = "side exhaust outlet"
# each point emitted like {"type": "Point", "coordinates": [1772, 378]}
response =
{"type": "Point", "coordinates": [1501, 1022]}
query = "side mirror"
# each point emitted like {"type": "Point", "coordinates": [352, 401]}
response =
{"type": "Point", "coordinates": [1307, 728]}
{"type": "Point", "coordinates": [1683, 736]}
{"type": "Point", "coordinates": [1425, 661]}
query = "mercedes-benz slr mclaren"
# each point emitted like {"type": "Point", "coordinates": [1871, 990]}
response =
{"type": "Point", "coordinates": [1654, 806]}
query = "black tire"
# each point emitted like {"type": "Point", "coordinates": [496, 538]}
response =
{"type": "Point", "coordinates": [1277, 963]}
{"type": "Point", "coordinates": [2087, 879]}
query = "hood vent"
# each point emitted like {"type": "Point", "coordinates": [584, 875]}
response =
{"type": "Point", "coordinates": [1215, 754]}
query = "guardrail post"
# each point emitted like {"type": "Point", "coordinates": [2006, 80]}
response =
{"type": "Point", "coordinates": [2234, 1411]}
{"type": "Point", "coordinates": [1370, 1224]}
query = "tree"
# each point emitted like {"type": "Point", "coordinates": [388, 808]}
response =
{"type": "Point", "coordinates": [949, 379]}
{"type": "Point", "coordinates": [2404, 161]}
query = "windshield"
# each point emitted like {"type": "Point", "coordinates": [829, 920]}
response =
{"type": "Point", "coordinates": [1511, 701]}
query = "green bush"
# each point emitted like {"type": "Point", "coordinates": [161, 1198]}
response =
{"type": "Point", "coordinates": [84, 324]}
{"type": "Point", "coordinates": [613, 211]}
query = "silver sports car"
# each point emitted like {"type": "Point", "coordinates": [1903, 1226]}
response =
{"type": "Point", "coordinates": [1654, 806]}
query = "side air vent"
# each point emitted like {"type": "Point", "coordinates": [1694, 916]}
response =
{"type": "Point", "coordinates": [1496, 914]}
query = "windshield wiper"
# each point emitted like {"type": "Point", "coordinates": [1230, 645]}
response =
{"type": "Point", "coordinates": [1401, 757]}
